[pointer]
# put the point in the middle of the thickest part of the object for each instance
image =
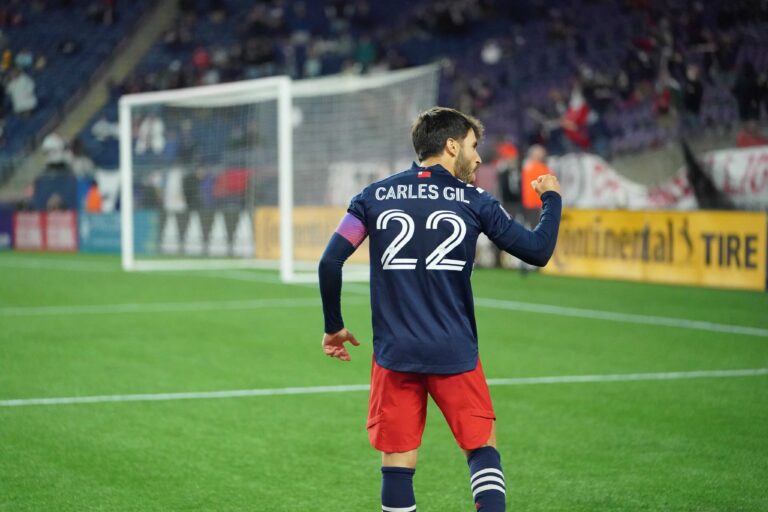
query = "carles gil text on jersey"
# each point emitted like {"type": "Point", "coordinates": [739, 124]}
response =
{"type": "Point", "coordinates": [420, 191]}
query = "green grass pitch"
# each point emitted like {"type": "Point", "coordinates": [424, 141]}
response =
{"type": "Point", "coordinates": [652, 445]}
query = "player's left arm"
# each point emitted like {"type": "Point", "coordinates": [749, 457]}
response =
{"type": "Point", "coordinates": [348, 236]}
{"type": "Point", "coordinates": [532, 246]}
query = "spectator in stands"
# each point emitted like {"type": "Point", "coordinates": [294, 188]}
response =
{"type": "Point", "coordinates": [24, 59]}
{"type": "Point", "coordinates": [313, 64]}
{"type": "Point", "coordinates": [104, 129]}
{"type": "Point", "coordinates": [257, 57]}
{"type": "Point", "coordinates": [507, 168]}
{"type": "Point", "coordinates": [11, 14]}
{"type": "Point", "coordinates": [219, 57]}
{"type": "Point", "coordinates": [747, 93]}
{"type": "Point", "coordinates": [762, 83]}
{"type": "Point", "coordinates": [338, 14]}
{"type": "Point", "coordinates": [179, 36]}
{"type": "Point", "coordinates": [54, 203]}
{"type": "Point", "coordinates": [535, 165]}
{"type": "Point", "coordinates": [81, 162]}
{"type": "Point", "coordinates": [41, 61]}
{"type": "Point", "coordinates": [151, 135]}
{"type": "Point", "coordinates": [21, 88]}
{"type": "Point", "coordinates": [187, 148]}
{"type": "Point", "coordinates": [6, 61]}
{"type": "Point", "coordinates": [726, 58]}
{"type": "Point", "coordinates": [58, 158]}
{"type": "Point", "coordinates": [664, 92]}
{"type": "Point", "coordinates": [598, 95]}
{"type": "Point", "coordinates": [300, 24]}
{"type": "Point", "coordinates": [625, 89]}
{"type": "Point", "coordinates": [149, 192]}
{"type": "Point", "coordinates": [201, 59]}
{"type": "Point", "coordinates": [365, 53]}
{"type": "Point", "coordinates": [546, 127]}
{"type": "Point", "coordinates": [210, 77]}
{"type": "Point", "coordinates": [105, 153]}
{"type": "Point", "coordinates": [93, 203]}
{"type": "Point", "coordinates": [191, 189]}
{"type": "Point", "coordinates": [575, 121]}
{"type": "Point", "coordinates": [693, 92]}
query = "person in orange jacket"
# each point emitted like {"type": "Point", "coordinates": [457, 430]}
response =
{"type": "Point", "coordinates": [93, 199]}
{"type": "Point", "coordinates": [533, 167]}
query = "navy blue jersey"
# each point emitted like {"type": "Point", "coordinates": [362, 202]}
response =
{"type": "Point", "coordinates": [423, 225]}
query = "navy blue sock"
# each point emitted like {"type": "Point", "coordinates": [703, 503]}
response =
{"type": "Point", "coordinates": [397, 489]}
{"type": "Point", "coordinates": [487, 479]}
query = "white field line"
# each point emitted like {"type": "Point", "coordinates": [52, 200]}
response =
{"type": "Point", "coordinates": [240, 275]}
{"type": "Point", "coordinates": [63, 264]}
{"type": "Point", "coordinates": [630, 318]}
{"type": "Point", "coordinates": [230, 274]}
{"type": "Point", "coordinates": [82, 266]}
{"type": "Point", "coordinates": [309, 302]}
{"type": "Point", "coordinates": [630, 377]}
{"type": "Point", "coordinates": [167, 307]}
{"type": "Point", "coordinates": [239, 393]}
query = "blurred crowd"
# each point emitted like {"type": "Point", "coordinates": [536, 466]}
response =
{"type": "Point", "coordinates": [671, 68]}
{"type": "Point", "coordinates": [22, 62]}
{"type": "Point", "coordinates": [274, 37]}
{"type": "Point", "coordinates": [673, 55]}
{"type": "Point", "coordinates": [674, 59]}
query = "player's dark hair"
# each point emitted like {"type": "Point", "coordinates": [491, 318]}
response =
{"type": "Point", "coordinates": [433, 127]}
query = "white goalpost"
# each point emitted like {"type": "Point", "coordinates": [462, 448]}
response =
{"type": "Point", "coordinates": [256, 174]}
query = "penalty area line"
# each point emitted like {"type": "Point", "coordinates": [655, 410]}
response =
{"type": "Point", "coordinates": [611, 316]}
{"type": "Point", "coordinates": [165, 307]}
{"type": "Point", "coordinates": [239, 393]}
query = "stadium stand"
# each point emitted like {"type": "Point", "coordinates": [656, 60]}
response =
{"type": "Point", "coordinates": [59, 57]}
{"type": "Point", "coordinates": [529, 62]}
{"type": "Point", "coordinates": [647, 73]}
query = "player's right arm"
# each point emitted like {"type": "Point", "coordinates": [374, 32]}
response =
{"type": "Point", "coordinates": [348, 236]}
{"type": "Point", "coordinates": [532, 246]}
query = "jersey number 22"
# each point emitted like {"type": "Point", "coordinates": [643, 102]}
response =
{"type": "Point", "coordinates": [437, 259]}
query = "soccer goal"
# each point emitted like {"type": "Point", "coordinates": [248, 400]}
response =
{"type": "Point", "coordinates": [257, 174]}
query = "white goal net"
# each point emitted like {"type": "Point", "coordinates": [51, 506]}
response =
{"type": "Point", "coordinates": [258, 173]}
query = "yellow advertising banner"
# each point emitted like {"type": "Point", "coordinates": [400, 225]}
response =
{"type": "Point", "coordinates": [705, 248]}
{"type": "Point", "coordinates": [312, 228]}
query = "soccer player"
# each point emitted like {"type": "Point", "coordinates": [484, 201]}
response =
{"type": "Point", "coordinates": [423, 225]}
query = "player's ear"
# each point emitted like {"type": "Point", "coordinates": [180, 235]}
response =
{"type": "Point", "coordinates": [452, 146]}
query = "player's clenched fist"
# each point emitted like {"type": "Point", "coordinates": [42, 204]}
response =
{"type": "Point", "coordinates": [545, 183]}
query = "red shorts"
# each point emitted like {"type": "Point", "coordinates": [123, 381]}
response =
{"type": "Point", "coordinates": [397, 409]}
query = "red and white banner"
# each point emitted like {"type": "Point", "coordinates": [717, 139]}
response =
{"type": "Point", "coordinates": [45, 231]}
{"type": "Point", "coordinates": [28, 231]}
{"type": "Point", "coordinates": [588, 181]}
{"type": "Point", "coordinates": [742, 174]}
{"type": "Point", "coordinates": [61, 231]}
